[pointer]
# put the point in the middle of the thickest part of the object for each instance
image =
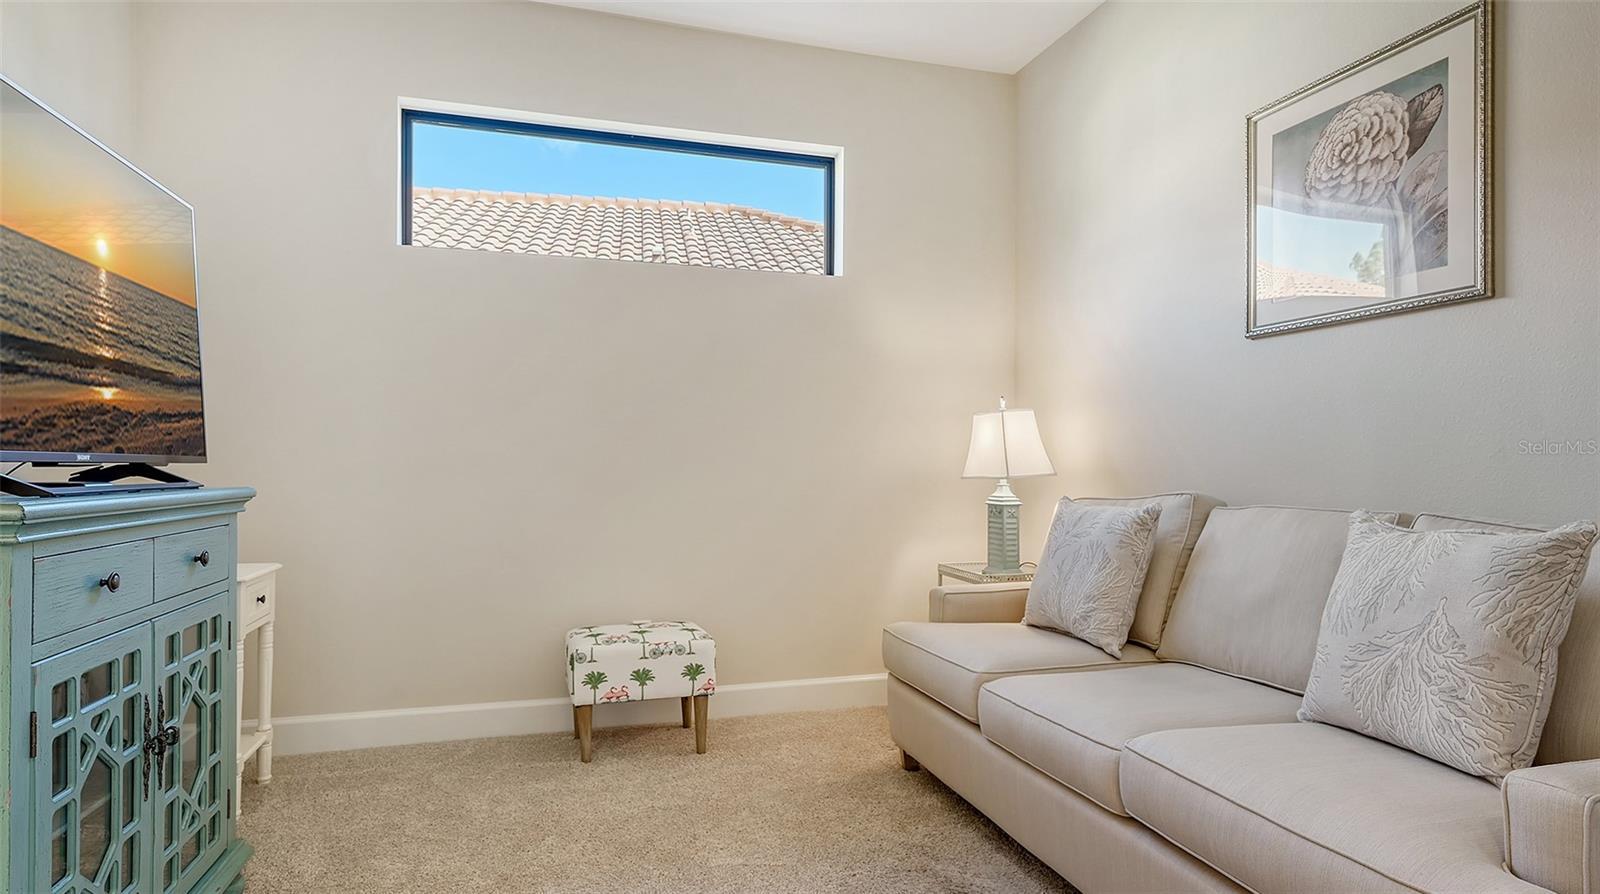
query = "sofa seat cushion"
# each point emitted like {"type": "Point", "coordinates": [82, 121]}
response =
{"type": "Point", "coordinates": [1072, 727]}
{"type": "Point", "coordinates": [1307, 807]}
{"type": "Point", "coordinates": [949, 663]}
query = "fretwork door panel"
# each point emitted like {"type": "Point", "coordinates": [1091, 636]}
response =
{"type": "Point", "coordinates": [92, 817]}
{"type": "Point", "coordinates": [193, 671]}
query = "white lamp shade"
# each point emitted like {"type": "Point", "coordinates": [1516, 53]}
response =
{"type": "Point", "coordinates": [1006, 444]}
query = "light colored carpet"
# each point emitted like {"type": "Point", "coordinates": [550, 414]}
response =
{"type": "Point", "coordinates": [781, 803]}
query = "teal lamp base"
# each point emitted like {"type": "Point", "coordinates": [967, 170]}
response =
{"type": "Point", "coordinates": [1005, 530]}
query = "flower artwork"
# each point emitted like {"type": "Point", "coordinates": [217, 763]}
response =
{"type": "Point", "coordinates": [1375, 161]}
{"type": "Point", "coordinates": [1369, 190]}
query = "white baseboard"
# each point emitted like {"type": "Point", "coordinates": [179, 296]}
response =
{"type": "Point", "coordinates": [440, 723]}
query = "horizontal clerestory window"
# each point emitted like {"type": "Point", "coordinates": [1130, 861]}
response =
{"type": "Point", "coordinates": [643, 194]}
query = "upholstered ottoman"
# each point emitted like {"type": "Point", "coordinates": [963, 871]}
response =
{"type": "Point", "coordinates": [613, 663]}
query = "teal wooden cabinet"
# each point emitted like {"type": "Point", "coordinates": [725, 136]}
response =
{"type": "Point", "coordinates": [117, 681]}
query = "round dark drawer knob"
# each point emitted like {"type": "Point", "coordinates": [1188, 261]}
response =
{"type": "Point", "coordinates": [204, 558]}
{"type": "Point", "coordinates": [262, 599]}
{"type": "Point", "coordinates": [112, 581]}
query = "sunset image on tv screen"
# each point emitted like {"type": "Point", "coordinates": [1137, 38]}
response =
{"type": "Point", "coordinates": [99, 333]}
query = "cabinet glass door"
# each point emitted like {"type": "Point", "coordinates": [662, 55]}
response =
{"type": "Point", "coordinates": [194, 669]}
{"type": "Point", "coordinates": [91, 816]}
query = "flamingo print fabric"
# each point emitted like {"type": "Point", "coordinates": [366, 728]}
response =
{"type": "Point", "coordinates": [1444, 642]}
{"type": "Point", "coordinates": [1092, 571]}
{"type": "Point", "coordinates": [613, 663]}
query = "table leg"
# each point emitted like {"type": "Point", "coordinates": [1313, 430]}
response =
{"type": "Point", "coordinates": [264, 703]}
{"type": "Point", "coordinates": [238, 719]}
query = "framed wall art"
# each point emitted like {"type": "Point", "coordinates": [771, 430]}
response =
{"type": "Point", "coordinates": [1370, 191]}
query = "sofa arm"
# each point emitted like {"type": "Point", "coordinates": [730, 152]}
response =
{"type": "Point", "coordinates": [973, 603]}
{"type": "Point", "coordinates": [1552, 830]}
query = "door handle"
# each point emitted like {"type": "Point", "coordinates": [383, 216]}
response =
{"type": "Point", "coordinates": [150, 748]}
{"type": "Point", "coordinates": [156, 746]}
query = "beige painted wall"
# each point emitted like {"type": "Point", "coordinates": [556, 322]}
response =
{"type": "Point", "coordinates": [460, 455]}
{"type": "Point", "coordinates": [1131, 277]}
{"type": "Point", "coordinates": [80, 59]}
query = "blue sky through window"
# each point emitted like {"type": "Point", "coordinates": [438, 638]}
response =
{"type": "Point", "coordinates": [1313, 244]}
{"type": "Point", "coordinates": [466, 158]}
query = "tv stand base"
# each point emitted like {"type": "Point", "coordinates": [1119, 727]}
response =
{"type": "Point", "coordinates": [110, 479]}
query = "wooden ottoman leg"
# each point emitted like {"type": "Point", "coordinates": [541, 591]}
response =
{"type": "Point", "coordinates": [586, 732]}
{"type": "Point", "coordinates": [575, 733]}
{"type": "Point", "coordinates": [909, 763]}
{"type": "Point", "coordinates": [702, 705]}
{"type": "Point", "coordinates": [688, 711]}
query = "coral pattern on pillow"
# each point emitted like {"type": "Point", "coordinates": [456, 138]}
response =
{"type": "Point", "coordinates": [1444, 642]}
{"type": "Point", "coordinates": [1092, 571]}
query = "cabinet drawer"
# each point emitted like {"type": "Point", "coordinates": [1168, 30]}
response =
{"type": "Point", "coordinates": [256, 599]}
{"type": "Point", "coordinates": [71, 590]}
{"type": "Point", "coordinates": [191, 559]}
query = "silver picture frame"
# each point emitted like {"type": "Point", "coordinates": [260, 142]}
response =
{"type": "Point", "coordinates": [1292, 301]}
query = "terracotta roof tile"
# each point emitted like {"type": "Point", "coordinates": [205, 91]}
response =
{"type": "Point", "coordinates": [704, 234]}
{"type": "Point", "coordinates": [1282, 283]}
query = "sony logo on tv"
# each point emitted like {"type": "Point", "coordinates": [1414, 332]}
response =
{"type": "Point", "coordinates": [85, 457]}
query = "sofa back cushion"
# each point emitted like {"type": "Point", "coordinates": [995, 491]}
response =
{"type": "Point", "coordinates": [1251, 601]}
{"type": "Point", "coordinates": [1572, 730]}
{"type": "Point", "coordinates": [1183, 515]}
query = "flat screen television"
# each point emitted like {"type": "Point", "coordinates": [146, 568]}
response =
{"type": "Point", "coordinates": [99, 325]}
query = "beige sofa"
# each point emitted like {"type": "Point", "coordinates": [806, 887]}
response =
{"type": "Point", "coordinates": [1180, 767]}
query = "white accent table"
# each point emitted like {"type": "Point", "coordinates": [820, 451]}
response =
{"type": "Point", "coordinates": [258, 608]}
{"type": "Point", "coordinates": [973, 573]}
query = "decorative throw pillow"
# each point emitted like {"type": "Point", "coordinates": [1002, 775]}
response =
{"type": "Point", "coordinates": [1092, 571]}
{"type": "Point", "coordinates": [1444, 642]}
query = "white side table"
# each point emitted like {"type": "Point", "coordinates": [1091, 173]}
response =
{"type": "Point", "coordinates": [973, 573]}
{"type": "Point", "coordinates": [258, 608]}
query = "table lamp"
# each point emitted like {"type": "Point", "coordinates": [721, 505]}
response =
{"type": "Point", "coordinates": [1005, 445]}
